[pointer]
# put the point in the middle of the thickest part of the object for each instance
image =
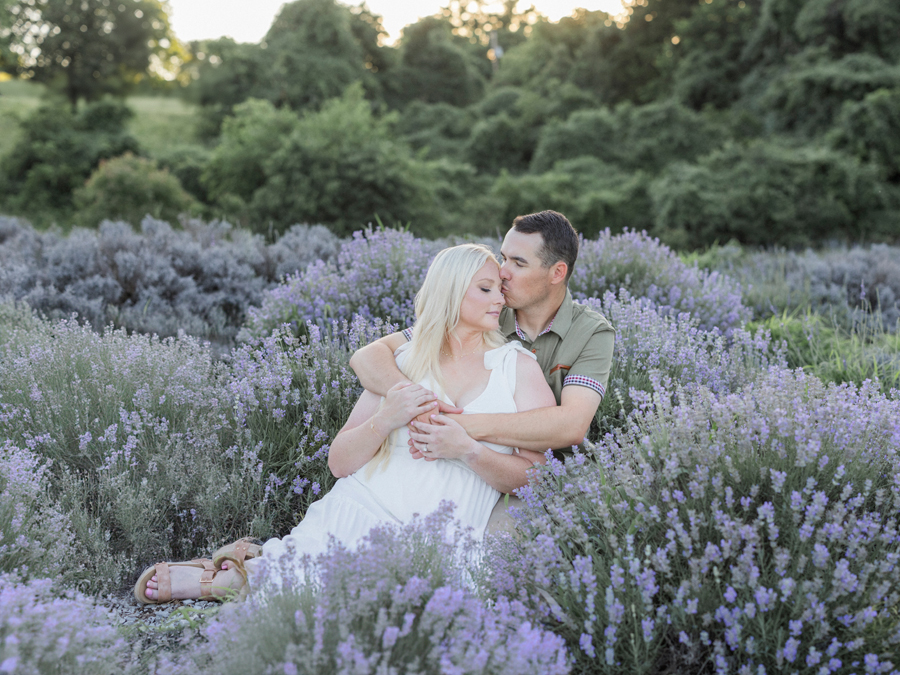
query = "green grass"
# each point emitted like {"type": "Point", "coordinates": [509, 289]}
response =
{"type": "Point", "coordinates": [867, 351]}
{"type": "Point", "coordinates": [17, 99]}
{"type": "Point", "coordinates": [160, 123]}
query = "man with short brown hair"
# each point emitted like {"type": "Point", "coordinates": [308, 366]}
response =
{"type": "Point", "coordinates": [573, 345]}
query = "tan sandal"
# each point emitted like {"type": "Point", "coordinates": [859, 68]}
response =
{"type": "Point", "coordinates": [237, 552]}
{"type": "Point", "coordinates": [161, 570]}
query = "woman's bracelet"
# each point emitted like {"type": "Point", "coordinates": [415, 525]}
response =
{"type": "Point", "coordinates": [372, 427]}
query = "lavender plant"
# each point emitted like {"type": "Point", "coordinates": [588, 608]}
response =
{"type": "Point", "coordinates": [745, 532]}
{"type": "Point", "coordinates": [843, 284]}
{"type": "Point", "coordinates": [44, 631]}
{"type": "Point", "coordinates": [35, 537]}
{"type": "Point", "coordinates": [375, 275]}
{"type": "Point", "coordinates": [160, 450]}
{"type": "Point", "coordinates": [290, 396]}
{"type": "Point", "coordinates": [199, 279]}
{"type": "Point", "coordinates": [648, 269]}
{"type": "Point", "coordinates": [652, 341]}
{"type": "Point", "coordinates": [397, 604]}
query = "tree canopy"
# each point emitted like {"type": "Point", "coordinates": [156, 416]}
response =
{"type": "Point", "coordinates": [87, 48]}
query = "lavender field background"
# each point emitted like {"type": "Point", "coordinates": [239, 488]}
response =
{"type": "Point", "coordinates": [166, 389]}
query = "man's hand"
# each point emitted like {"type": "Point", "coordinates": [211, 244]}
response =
{"type": "Point", "coordinates": [442, 438]}
{"type": "Point", "coordinates": [425, 418]}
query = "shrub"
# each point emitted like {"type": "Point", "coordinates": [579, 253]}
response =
{"type": "Point", "coordinates": [593, 195]}
{"type": "Point", "coordinates": [842, 284]}
{"type": "Point", "coordinates": [342, 167]}
{"type": "Point", "coordinates": [376, 274]}
{"type": "Point", "coordinates": [737, 532]}
{"type": "Point", "coordinates": [35, 538]}
{"type": "Point", "coordinates": [396, 604]}
{"type": "Point", "coordinates": [57, 152]}
{"type": "Point", "coordinates": [289, 399]}
{"type": "Point", "coordinates": [127, 188]}
{"type": "Point", "coordinates": [44, 631]}
{"type": "Point", "coordinates": [768, 194]}
{"type": "Point", "coordinates": [249, 138]}
{"type": "Point", "coordinates": [645, 268]}
{"type": "Point", "coordinates": [199, 280]}
{"type": "Point", "coordinates": [651, 342]}
{"type": "Point", "coordinates": [187, 163]}
{"type": "Point", "coordinates": [138, 433]}
{"type": "Point", "coordinates": [157, 450]}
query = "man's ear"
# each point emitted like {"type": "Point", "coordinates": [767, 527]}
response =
{"type": "Point", "coordinates": [558, 273]}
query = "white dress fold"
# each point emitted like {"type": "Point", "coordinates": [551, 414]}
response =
{"type": "Point", "coordinates": [402, 487]}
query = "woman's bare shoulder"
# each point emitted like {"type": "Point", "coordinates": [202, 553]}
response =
{"type": "Point", "coordinates": [530, 383]}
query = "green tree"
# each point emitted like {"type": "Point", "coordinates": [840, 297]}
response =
{"type": "Point", "coordinates": [236, 168]}
{"type": "Point", "coordinates": [57, 152]}
{"type": "Point", "coordinates": [706, 59]}
{"type": "Point", "coordinates": [870, 130]}
{"type": "Point", "coordinates": [594, 195]}
{"type": "Point", "coordinates": [226, 73]}
{"type": "Point", "coordinates": [318, 48]}
{"type": "Point", "coordinates": [342, 167]}
{"type": "Point", "coordinates": [90, 47]}
{"type": "Point", "coordinates": [807, 94]}
{"type": "Point", "coordinates": [770, 193]}
{"type": "Point", "coordinates": [436, 67]}
{"type": "Point", "coordinates": [129, 188]}
{"type": "Point", "coordinates": [646, 137]}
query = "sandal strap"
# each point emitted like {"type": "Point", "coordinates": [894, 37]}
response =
{"type": "Point", "coordinates": [163, 582]}
{"type": "Point", "coordinates": [206, 576]}
{"type": "Point", "coordinates": [241, 546]}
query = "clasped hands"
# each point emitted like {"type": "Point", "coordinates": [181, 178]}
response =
{"type": "Point", "coordinates": [432, 434]}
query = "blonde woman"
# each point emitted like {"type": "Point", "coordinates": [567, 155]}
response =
{"type": "Point", "coordinates": [457, 352]}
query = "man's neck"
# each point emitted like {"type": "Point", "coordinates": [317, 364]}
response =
{"type": "Point", "coordinates": [534, 320]}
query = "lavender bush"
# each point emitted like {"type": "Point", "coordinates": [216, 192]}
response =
{"type": "Point", "coordinates": [737, 533]}
{"type": "Point", "coordinates": [45, 631]}
{"type": "Point", "coordinates": [645, 268]}
{"type": "Point", "coordinates": [289, 397]}
{"type": "Point", "coordinates": [375, 275]}
{"type": "Point", "coordinates": [159, 450]}
{"type": "Point", "coordinates": [651, 341]}
{"type": "Point", "coordinates": [398, 604]}
{"type": "Point", "coordinates": [35, 537]}
{"type": "Point", "coordinates": [199, 279]}
{"type": "Point", "coordinates": [136, 429]}
{"type": "Point", "coordinates": [843, 284]}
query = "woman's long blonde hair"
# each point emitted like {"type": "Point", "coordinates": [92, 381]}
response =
{"type": "Point", "coordinates": [438, 306]}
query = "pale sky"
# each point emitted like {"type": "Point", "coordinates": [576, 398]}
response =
{"type": "Point", "coordinates": [248, 21]}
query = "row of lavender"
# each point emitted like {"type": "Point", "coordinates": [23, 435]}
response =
{"type": "Point", "coordinates": [203, 279]}
{"type": "Point", "coordinates": [734, 514]}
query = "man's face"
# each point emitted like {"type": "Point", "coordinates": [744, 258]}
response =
{"type": "Point", "coordinates": [525, 281]}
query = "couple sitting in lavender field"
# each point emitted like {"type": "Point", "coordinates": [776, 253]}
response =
{"type": "Point", "coordinates": [451, 409]}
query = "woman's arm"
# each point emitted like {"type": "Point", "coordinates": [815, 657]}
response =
{"type": "Point", "coordinates": [368, 425]}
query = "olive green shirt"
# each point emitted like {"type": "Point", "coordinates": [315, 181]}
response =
{"type": "Point", "coordinates": [576, 349]}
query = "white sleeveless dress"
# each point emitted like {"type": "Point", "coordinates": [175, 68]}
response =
{"type": "Point", "coordinates": [402, 487]}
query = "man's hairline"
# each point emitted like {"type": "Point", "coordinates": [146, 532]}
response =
{"type": "Point", "coordinates": [541, 249]}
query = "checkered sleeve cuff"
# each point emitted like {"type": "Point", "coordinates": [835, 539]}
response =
{"type": "Point", "coordinates": [407, 333]}
{"type": "Point", "coordinates": [583, 381]}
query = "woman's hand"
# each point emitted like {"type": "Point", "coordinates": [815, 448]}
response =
{"type": "Point", "coordinates": [404, 402]}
